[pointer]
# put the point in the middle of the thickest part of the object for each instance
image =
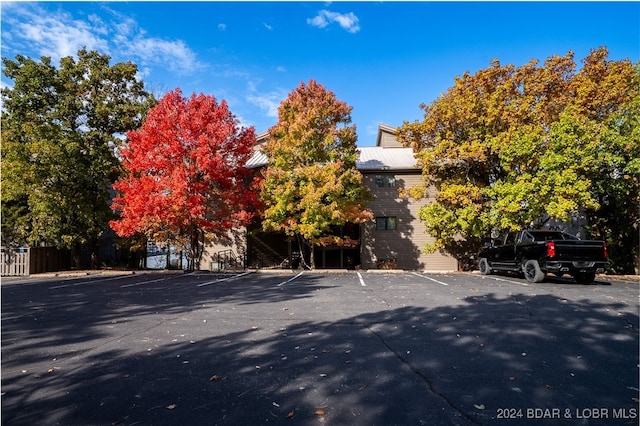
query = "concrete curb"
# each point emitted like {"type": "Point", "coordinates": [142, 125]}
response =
{"type": "Point", "coordinates": [72, 274]}
{"type": "Point", "coordinates": [99, 272]}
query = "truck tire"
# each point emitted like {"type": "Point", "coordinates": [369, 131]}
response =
{"type": "Point", "coordinates": [483, 266]}
{"type": "Point", "coordinates": [532, 271]}
{"type": "Point", "coordinates": [584, 277]}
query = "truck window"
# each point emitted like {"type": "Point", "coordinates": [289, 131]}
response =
{"type": "Point", "coordinates": [551, 235]}
{"type": "Point", "coordinates": [526, 237]}
{"type": "Point", "coordinates": [510, 239]}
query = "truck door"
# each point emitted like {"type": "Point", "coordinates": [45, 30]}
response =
{"type": "Point", "coordinates": [506, 252]}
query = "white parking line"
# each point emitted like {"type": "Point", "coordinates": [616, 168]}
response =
{"type": "Point", "coordinates": [429, 278]}
{"type": "Point", "coordinates": [224, 279]}
{"type": "Point", "coordinates": [290, 279]}
{"type": "Point", "coordinates": [145, 282]}
{"type": "Point", "coordinates": [88, 282]}
{"type": "Point", "coordinates": [506, 281]}
{"type": "Point", "coordinates": [361, 280]}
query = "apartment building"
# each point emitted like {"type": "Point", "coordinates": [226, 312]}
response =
{"type": "Point", "coordinates": [393, 239]}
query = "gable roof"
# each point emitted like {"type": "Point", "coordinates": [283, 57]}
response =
{"type": "Point", "coordinates": [379, 158]}
{"type": "Point", "coordinates": [387, 137]}
{"type": "Point", "coordinates": [388, 154]}
{"type": "Point", "coordinates": [257, 160]}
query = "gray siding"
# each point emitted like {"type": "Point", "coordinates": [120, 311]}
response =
{"type": "Point", "coordinates": [388, 140]}
{"type": "Point", "coordinates": [406, 242]}
{"type": "Point", "coordinates": [235, 241]}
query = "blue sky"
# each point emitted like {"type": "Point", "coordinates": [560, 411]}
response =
{"type": "Point", "coordinates": [382, 58]}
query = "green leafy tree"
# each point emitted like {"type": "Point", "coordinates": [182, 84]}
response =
{"type": "Point", "coordinates": [311, 185]}
{"type": "Point", "coordinates": [61, 128]}
{"type": "Point", "coordinates": [509, 146]}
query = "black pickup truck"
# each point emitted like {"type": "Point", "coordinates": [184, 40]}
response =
{"type": "Point", "coordinates": [535, 253]}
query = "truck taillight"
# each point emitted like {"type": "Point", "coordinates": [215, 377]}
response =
{"type": "Point", "coordinates": [606, 253]}
{"type": "Point", "coordinates": [551, 249]}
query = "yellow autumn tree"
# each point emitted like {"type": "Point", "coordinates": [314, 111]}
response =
{"type": "Point", "coordinates": [510, 145]}
{"type": "Point", "coordinates": [311, 184]}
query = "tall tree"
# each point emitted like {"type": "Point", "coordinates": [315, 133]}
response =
{"type": "Point", "coordinates": [311, 185]}
{"type": "Point", "coordinates": [186, 180]}
{"type": "Point", "coordinates": [60, 129]}
{"type": "Point", "coordinates": [508, 146]}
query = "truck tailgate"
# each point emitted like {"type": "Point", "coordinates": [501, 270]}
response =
{"type": "Point", "coordinates": [579, 250]}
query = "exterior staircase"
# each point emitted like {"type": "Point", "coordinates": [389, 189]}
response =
{"type": "Point", "coordinates": [268, 251]}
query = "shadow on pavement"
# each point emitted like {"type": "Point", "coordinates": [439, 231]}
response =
{"type": "Point", "coordinates": [411, 365]}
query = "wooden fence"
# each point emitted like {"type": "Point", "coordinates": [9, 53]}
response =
{"type": "Point", "coordinates": [34, 260]}
{"type": "Point", "coordinates": [15, 262]}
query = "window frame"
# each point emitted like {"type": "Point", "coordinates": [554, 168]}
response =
{"type": "Point", "coordinates": [385, 180]}
{"type": "Point", "coordinates": [389, 223]}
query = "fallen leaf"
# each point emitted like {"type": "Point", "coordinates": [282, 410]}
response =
{"type": "Point", "coordinates": [171, 407]}
{"type": "Point", "coordinates": [290, 415]}
{"type": "Point", "coordinates": [512, 378]}
{"type": "Point", "coordinates": [479, 406]}
{"type": "Point", "coordinates": [319, 412]}
{"type": "Point", "coordinates": [50, 370]}
{"type": "Point", "coordinates": [214, 378]}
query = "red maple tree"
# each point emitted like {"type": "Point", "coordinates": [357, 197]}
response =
{"type": "Point", "coordinates": [185, 178]}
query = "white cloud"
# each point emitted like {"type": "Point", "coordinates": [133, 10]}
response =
{"type": "Point", "coordinates": [347, 21]}
{"type": "Point", "coordinates": [268, 102]}
{"type": "Point", "coordinates": [174, 54]}
{"type": "Point", "coordinates": [222, 27]}
{"type": "Point", "coordinates": [267, 26]}
{"type": "Point", "coordinates": [56, 34]}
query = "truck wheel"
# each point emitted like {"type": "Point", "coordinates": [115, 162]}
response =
{"type": "Point", "coordinates": [532, 271]}
{"type": "Point", "coordinates": [584, 277]}
{"type": "Point", "coordinates": [483, 266]}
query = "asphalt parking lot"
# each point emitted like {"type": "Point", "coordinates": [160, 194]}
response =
{"type": "Point", "coordinates": [356, 348]}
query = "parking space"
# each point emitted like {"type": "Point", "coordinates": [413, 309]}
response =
{"type": "Point", "coordinates": [361, 348]}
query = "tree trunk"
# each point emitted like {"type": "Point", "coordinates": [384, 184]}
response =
{"type": "Point", "coordinates": [196, 249]}
{"type": "Point", "coordinates": [76, 256]}
{"type": "Point", "coordinates": [312, 257]}
{"type": "Point", "coordinates": [95, 253]}
{"type": "Point", "coordinates": [303, 262]}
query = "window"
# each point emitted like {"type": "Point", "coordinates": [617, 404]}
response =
{"type": "Point", "coordinates": [525, 238]}
{"type": "Point", "coordinates": [386, 223]}
{"type": "Point", "coordinates": [510, 239]}
{"type": "Point", "coordinates": [385, 181]}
